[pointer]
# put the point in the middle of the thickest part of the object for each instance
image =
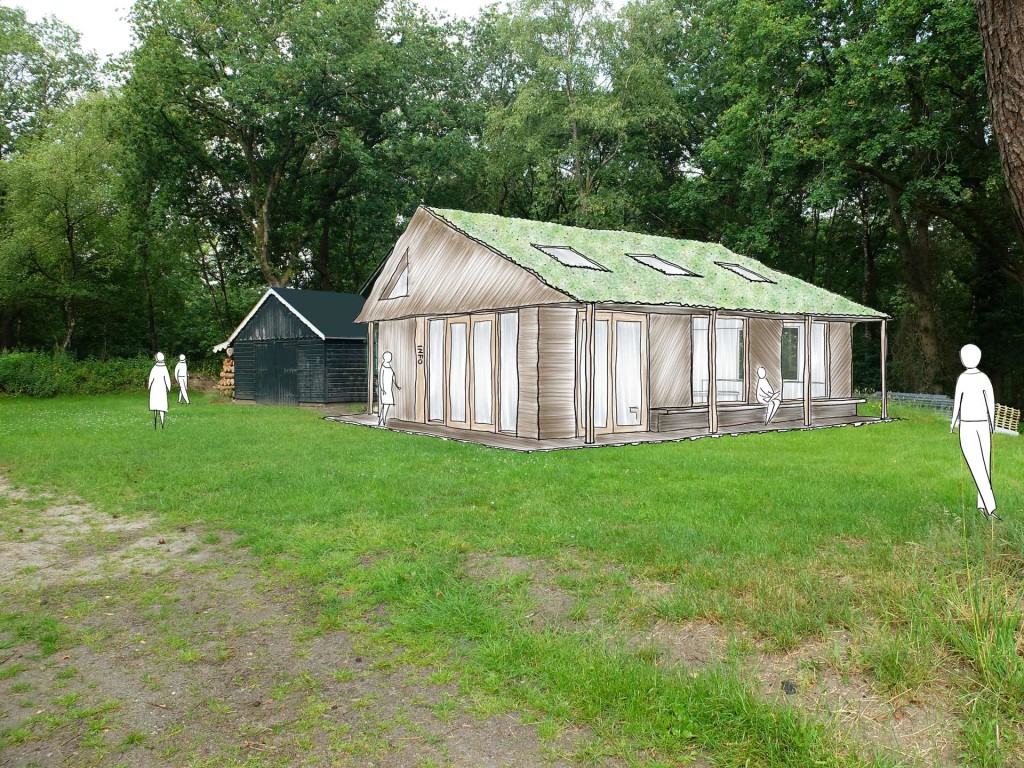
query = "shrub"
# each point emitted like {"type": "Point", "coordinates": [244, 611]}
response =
{"type": "Point", "coordinates": [39, 374]}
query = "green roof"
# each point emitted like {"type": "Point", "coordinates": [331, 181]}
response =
{"type": "Point", "coordinates": [622, 279]}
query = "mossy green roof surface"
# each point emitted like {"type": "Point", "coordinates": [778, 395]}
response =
{"type": "Point", "coordinates": [628, 281]}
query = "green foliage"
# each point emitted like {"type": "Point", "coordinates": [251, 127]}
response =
{"type": "Point", "coordinates": [39, 374]}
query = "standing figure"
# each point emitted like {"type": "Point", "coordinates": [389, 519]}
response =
{"type": "Point", "coordinates": [974, 406]}
{"type": "Point", "coordinates": [181, 376]}
{"type": "Point", "coordinates": [767, 396]}
{"type": "Point", "coordinates": [387, 384]}
{"type": "Point", "coordinates": [159, 386]}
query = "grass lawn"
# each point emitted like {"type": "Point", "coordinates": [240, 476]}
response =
{"type": "Point", "coordinates": [779, 539]}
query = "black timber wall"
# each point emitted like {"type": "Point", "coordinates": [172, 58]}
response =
{"type": "Point", "coordinates": [345, 371]}
{"type": "Point", "coordinates": [329, 372]}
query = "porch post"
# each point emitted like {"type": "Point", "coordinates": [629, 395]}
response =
{"type": "Point", "coordinates": [712, 373]}
{"type": "Point", "coordinates": [807, 370]}
{"type": "Point", "coordinates": [370, 365]}
{"type": "Point", "coordinates": [588, 437]}
{"type": "Point", "coordinates": [885, 393]}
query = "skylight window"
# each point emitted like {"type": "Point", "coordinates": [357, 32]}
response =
{"type": "Point", "coordinates": [568, 257]}
{"type": "Point", "coordinates": [744, 272]}
{"type": "Point", "coordinates": [658, 263]}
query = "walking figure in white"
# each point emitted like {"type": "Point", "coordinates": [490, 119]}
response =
{"type": "Point", "coordinates": [767, 396]}
{"type": "Point", "coordinates": [181, 376]}
{"type": "Point", "coordinates": [387, 384]}
{"type": "Point", "coordinates": [159, 386]}
{"type": "Point", "coordinates": [974, 406]}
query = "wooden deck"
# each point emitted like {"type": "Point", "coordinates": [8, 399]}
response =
{"type": "Point", "coordinates": [528, 445]}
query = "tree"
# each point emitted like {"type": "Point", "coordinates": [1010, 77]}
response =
{"type": "Point", "coordinates": [1002, 33]}
{"type": "Point", "coordinates": [41, 69]}
{"type": "Point", "coordinates": [61, 215]}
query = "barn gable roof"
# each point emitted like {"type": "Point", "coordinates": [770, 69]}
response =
{"type": "Point", "coordinates": [700, 274]}
{"type": "Point", "coordinates": [329, 315]}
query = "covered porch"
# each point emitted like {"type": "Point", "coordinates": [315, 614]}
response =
{"type": "Point", "coordinates": [528, 445]}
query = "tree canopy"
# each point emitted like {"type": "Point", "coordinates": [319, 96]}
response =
{"type": "Point", "coordinates": [286, 142]}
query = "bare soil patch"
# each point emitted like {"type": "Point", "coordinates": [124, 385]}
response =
{"type": "Point", "coordinates": [175, 649]}
{"type": "Point", "coordinates": [911, 730]}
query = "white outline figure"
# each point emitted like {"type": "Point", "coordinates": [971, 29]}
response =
{"type": "Point", "coordinates": [766, 395]}
{"type": "Point", "coordinates": [387, 385]}
{"type": "Point", "coordinates": [974, 406]}
{"type": "Point", "coordinates": [159, 385]}
{"type": "Point", "coordinates": [181, 376]}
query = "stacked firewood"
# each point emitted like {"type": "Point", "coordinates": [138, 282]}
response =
{"type": "Point", "coordinates": [227, 375]}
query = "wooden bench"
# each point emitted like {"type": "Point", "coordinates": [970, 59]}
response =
{"type": "Point", "coordinates": [731, 415]}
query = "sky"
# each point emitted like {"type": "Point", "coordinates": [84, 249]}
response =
{"type": "Point", "coordinates": [103, 28]}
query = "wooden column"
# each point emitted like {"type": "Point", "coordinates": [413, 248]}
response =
{"type": "Point", "coordinates": [885, 393]}
{"type": "Point", "coordinates": [807, 370]}
{"type": "Point", "coordinates": [588, 437]}
{"type": "Point", "coordinates": [371, 361]}
{"type": "Point", "coordinates": [712, 372]}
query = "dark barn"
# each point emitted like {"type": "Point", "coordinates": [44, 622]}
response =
{"type": "Point", "coordinates": [298, 347]}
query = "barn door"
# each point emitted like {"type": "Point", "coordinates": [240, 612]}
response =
{"type": "Point", "coordinates": [277, 374]}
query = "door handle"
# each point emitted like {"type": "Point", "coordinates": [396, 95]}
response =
{"type": "Point", "coordinates": [636, 410]}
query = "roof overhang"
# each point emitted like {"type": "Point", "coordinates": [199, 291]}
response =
{"type": "Point", "coordinates": [270, 292]}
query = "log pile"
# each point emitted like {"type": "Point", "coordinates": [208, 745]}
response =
{"type": "Point", "coordinates": [227, 375]}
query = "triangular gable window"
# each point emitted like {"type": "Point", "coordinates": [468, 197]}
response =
{"type": "Point", "coordinates": [398, 286]}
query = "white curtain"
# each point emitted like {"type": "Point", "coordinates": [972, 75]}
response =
{"type": "Point", "coordinates": [729, 360]}
{"type": "Point", "coordinates": [457, 373]}
{"type": "Point", "coordinates": [699, 366]}
{"type": "Point", "coordinates": [628, 384]}
{"type": "Point", "coordinates": [435, 363]}
{"type": "Point", "coordinates": [818, 388]}
{"type": "Point", "coordinates": [792, 361]}
{"type": "Point", "coordinates": [600, 373]}
{"type": "Point", "coordinates": [483, 377]}
{"type": "Point", "coordinates": [508, 372]}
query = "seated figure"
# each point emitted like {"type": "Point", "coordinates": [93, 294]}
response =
{"type": "Point", "coordinates": [767, 396]}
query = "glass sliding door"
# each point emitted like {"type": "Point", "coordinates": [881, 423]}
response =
{"type": "Point", "coordinates": [458, 370]}
{"type": "Point", "coordinates": [482, 364]}
{"type": "Point", "coordinates": [792, 361]}
{"type": "Point", "coordinates": [730, 359]}
{"type": "Point", "coordinates": [435, 370]}
{"type": "Point", "coordinates": [629, 400]}
{"type": "Point", "coordinates": [601, 376]}
{"type": "Point", "coordinates": [819, 363]}
{"type": "Point", "coordinates": [508, 371]}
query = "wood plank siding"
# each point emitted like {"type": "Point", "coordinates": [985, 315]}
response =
{"type": "Point", "coordinates": [345, 371]}
{"type": "Point", "coordinates": [399, 338]}
{"type": "Point", "coordinates": [557, 372]}
{"type": "Point", "coordinates": [311, 370]}
{"type": "Point", "coordinates": [765, 350]}
{"type": "Point", "coordinates": [840, 349]}
{"type": "Point", "coordinates": [670, 355]}
{"type": "Point", "coordinates": [245, 370]}
{"type": "Point", "coordinates": [529, 404]}
{"type": "Point", "coordinates": [273, 322]}
{"type": "Point", "coordinates": [449, 274]}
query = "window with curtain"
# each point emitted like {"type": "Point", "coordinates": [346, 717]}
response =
{"type": "Point", "coordinates": [819, 387]}
{"type": "Point", "coordinates": [792, 361]}
{"type": "Point", "coordinates": [508, 370]}
{"type": "Point", "coordinates": [729, 357]}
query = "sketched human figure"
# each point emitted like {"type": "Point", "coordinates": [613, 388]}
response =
{"type": "Point", "coordinates": [767, 396]}
{"type": "Point", "coordinates": [974, 406]}
{"type": "Point", "coordinates": [181, 376]}
{"type": "Point", "coordinates": [159, 386]}
{"type": "Point", "coordinates": [387, 384]}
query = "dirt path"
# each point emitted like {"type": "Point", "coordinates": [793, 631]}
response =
{"type": "Point", "coordinates": [123, 643]}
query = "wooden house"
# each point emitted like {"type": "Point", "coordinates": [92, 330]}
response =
{"type": "Point", "coordinates": [298, 347]}
{"type": "Point", "coordinates": [531, 335]}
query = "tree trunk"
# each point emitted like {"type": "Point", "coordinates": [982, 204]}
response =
{"type": "Point", "coordinates": [69, 324]}
{"type": "Point", "coordinates": [323, 262]}
{"type": "Point", "coordinates": [154, 343]}
{"type": "Point", "coordinates": [1002, 35]}
{"type": "Point", "coordinates": [8, 330]}
{"type": "Point", "coordinates": [915, 249]}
